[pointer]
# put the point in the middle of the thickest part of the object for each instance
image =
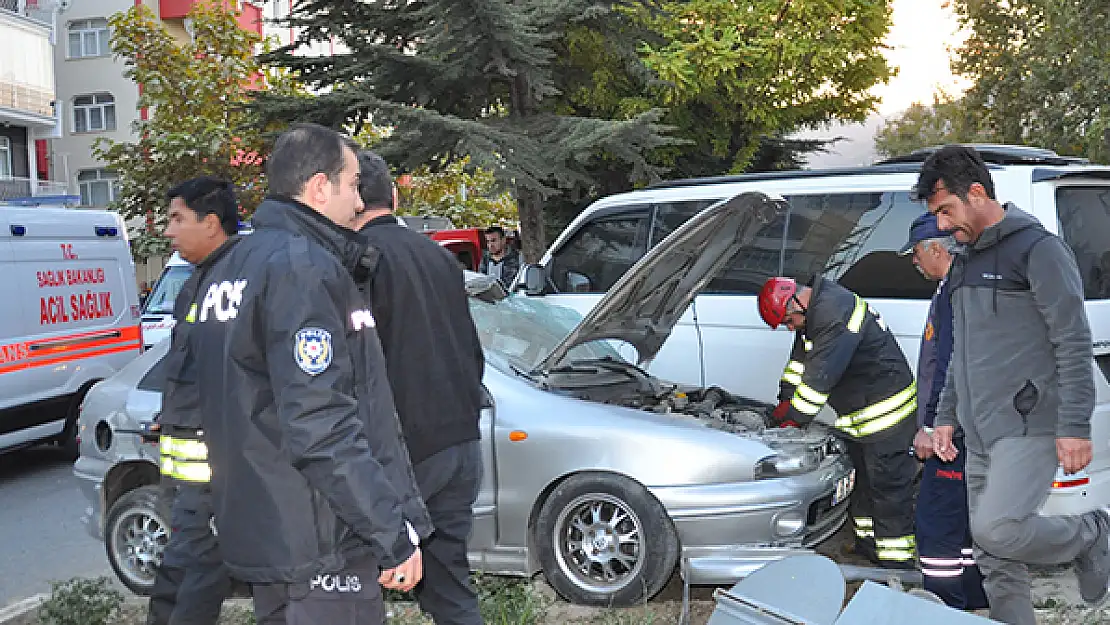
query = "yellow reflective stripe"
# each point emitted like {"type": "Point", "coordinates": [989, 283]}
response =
{"type": "Point", "coordinates": [793, 379]}
{"type": "Point", "coordinates": [186, 471]}
{"type": "Point", "coordinates": [897, 555]}
{"type": "Point", "coordinates": [804, 406]}
{"type": "Point", "coordinates": [855, 322]}
{"type": "Point", "coordinates": [808, 344]}
{"type": "Point", "coordinates": [882, 423]}
{"type": "Point", "coordinates": [192, 316]}
{"type": "Point", "coordinates": [898, 542]}
{"type": "Point", "coordinates": [183, 448]}
{"type": "Point", "coordinates": [807, 393]}
{"type": "Point", "coordinates": [879, 409]}
{"type": "Point", "coordinates": [863, 521]}
{"type": "Point", "coordinates": [795, 366]}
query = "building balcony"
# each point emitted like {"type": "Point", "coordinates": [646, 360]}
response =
{"type": "Point", "coordinates": [26, 67]}
{"type": "Point", "coordinates": [25, 189]}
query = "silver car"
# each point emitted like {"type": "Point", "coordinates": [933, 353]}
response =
{"type": "Point", "coordinates": [601, 476]}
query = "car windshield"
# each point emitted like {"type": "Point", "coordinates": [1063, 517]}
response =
{"type": "Point", "coordinates": [165, 292]}
{"type": "Point", "coordinates": [521, 331]}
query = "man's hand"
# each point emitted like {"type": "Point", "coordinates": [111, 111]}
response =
{"type": "Point", "coordinates": [406, 576]}
{"type": "Point", "coordinates": [923, 444]}
{"type": "Point", "coordinates": [1074, 454]}
{"type": "Point", "coordinates": [943, 446]}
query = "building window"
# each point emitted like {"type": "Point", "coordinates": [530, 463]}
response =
{"type": "Point", "coordinates": [94, 113]}
{"type": "Point", "coordinates": [5, 157]}
{"type": "Point", "coordinates": [88, 38]}
{"type": "Point", "coordinates": [99, 187]}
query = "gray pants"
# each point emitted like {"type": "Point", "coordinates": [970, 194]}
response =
{"type": "Point", "coordinates": [1005, 487]}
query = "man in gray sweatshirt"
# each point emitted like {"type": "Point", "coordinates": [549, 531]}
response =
{"type": "Point", "coordinates": [1020, 384]}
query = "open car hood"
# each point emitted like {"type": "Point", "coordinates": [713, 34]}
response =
{"type": "Point", "coordinates": [647, 301]}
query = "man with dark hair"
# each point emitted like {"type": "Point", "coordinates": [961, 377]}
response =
{"type": "Point", "coordinates": [941, 518]}
{"type": "Point", "coordinates": [1020, 385]}
{"type": "Point", "coordinates": [418, 299]}
{"type": "Point", "coordinates": [315, 500]}
{"type": "Point", "coordinates": [192, 582]}
{"type": "Point", "coordinates": [500, 260]}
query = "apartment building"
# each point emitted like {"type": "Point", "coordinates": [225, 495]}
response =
{"type": "Point", "coordinates": [28, 116]}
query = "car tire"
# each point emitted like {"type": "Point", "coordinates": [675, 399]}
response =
{"type": "Point", "coordinates": [135, 535]}
{"type": "Point", "coordinates": [604, 540]}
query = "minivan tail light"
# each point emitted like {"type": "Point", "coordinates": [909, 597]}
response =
{"type": "Point", "coordinates": [1104, 365]}
{"type": "Point", "coordinates": [1081, 481]}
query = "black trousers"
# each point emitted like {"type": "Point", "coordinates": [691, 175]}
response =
{"type": "Point", "coordinates": [350, 596]}
{"type": "Point", "coordinates": [882, 503]}
{"type": "Point", "coordinates": [449, 482]}
{"type": "Point", "coordinates": [192, 581]}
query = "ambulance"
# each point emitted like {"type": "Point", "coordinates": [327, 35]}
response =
{"type": "Point", "coordinates": [69, 317]}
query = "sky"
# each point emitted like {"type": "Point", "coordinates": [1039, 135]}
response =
{"type": "Point", "coordinates": [918, 43]}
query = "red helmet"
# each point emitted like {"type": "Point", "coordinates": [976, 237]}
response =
{"type": "Point", "coordinates": [773, 297]}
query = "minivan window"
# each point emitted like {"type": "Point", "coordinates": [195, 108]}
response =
{"type": "Point", "coordinates": [601, 252]}
{"type": "Point", "coordinates": [747, 271]}
{"type": "Point", "coordinates": [165, 292]}
{"type": "Point", "coordinates": [1084, 214]}
{"type": "Point", "coordinates": [854, 238]}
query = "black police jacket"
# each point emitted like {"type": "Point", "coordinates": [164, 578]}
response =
{"type": "Point", "coordinates": [850, 360]}
{"type": "Point", "coordinates": [309, 469]}
{"type": "Point", "coordinates": [180, 399]}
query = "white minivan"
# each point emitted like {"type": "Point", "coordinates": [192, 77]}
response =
{"type": "Point", "coordinates": [847, 225]}
{"type": "Point", "coordinates": [158, 309]}
{"type": "Point", "coordinates": [70, 317]}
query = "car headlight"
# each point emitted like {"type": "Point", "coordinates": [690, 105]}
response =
{"type": "Point", "coordinates": [786, 464]}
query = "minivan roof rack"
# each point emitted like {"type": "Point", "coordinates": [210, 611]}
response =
{"type": "Point", "coordinates": [995, 155]}
{"type": "Point", "coordinates": [998, 154]}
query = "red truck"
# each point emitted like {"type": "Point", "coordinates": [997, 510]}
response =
{"type": "Point", "coordinates": [465, 243]}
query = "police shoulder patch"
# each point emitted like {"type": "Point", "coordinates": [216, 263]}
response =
{"type": "Point", "coordinates": [312, 350]}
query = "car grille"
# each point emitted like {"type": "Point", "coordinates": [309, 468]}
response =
{"type": "Point", "coordinates": [823, 519]}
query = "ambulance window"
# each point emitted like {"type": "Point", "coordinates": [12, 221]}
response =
{"type": "Point", "coordinates": [154, 379]}
{"type": "Point", "coordinates": [162, 297]}
{"type": "Point", "coordinates": [1084, 214]}
{"type": "Point", "coordinates": [854, 238]}
{"type": "Point", "coordinates": [601, 251]}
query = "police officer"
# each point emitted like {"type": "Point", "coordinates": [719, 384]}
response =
{"type": "Point", "coordinates": [845, 356]}
{"type": "Point", "coordinates": [419, 301]}
{"type": "Point", "coordinates": [192, 582]}
{"type": "Point", "coordinates": [315, 499]}
{"type": "Point", "coordinates": [943, 532]}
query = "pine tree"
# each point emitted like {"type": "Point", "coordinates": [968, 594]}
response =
{"type": "Point", "coordinates": [467, 79]}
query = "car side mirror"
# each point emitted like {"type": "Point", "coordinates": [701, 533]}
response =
{"type": "Point", "coordinates": [535, 280]}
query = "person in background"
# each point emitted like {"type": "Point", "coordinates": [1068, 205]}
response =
{"type": "Point", "coordinates": [1020, 385]}
{"type": "Point", "coordinates": [500, 260]}
{"type": "Point", "coordinates": [941, 518]}
{"type": "Point", "coordinates": [192, 582]}
{"type": "Point", "coordinates": [419, 303]}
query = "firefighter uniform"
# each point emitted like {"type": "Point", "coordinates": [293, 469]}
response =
{"type": "Point", "coordinates": [846, 357]}
{"type": "Point", "coordinates": [313, 490]}
{"type": "Point", "coordinates": [192, 581]}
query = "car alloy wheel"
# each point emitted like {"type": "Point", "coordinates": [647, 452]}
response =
{"type": "Point", "coordinates": [601, 542]}
{"type": "Point", "coordinates": [136, 536]}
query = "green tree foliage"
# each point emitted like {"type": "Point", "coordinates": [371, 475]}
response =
{"type": "Point", "coordinates": [946, 120]}
{"type": "Point", "coordinates": [563, 100]}
{"type": "Point", "coordinates": [1040, 71]}
{"type": "Point", "coordinates": [197, 122]}
{"type": "Point", "coordinates": [469, 197]}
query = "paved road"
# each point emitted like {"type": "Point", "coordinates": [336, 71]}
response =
{"type": "Point", "coordinates": [41, 534]}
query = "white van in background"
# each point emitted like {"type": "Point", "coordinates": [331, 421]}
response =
{"type": "Point", "coordinates": [846, 225]}
{"type": "Point", "coordinates": [158, 309]}
{"type": "Point", "coordinates": [69, 317]}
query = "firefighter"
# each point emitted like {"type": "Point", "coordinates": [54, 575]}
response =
{"type": "Point", "coordinates": [943, 532]}
{"type": "Point", "coordinates": [192, 582]}
{"type": "Point", "coordinates": [315, 499]}
{"type": "Point", "coordinates": [845, 356]}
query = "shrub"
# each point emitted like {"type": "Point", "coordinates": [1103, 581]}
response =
{"type": "Point", "coordinates": [81, 602]}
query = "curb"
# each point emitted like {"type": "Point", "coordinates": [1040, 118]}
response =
{"type": "Point", "coordinates": [24, 611]}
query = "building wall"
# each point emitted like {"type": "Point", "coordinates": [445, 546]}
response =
{"type": "Point", "coordinates": [72, 153]}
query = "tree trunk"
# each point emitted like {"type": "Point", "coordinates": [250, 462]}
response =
{"type": "Point", "coordinates": [533, 239]}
